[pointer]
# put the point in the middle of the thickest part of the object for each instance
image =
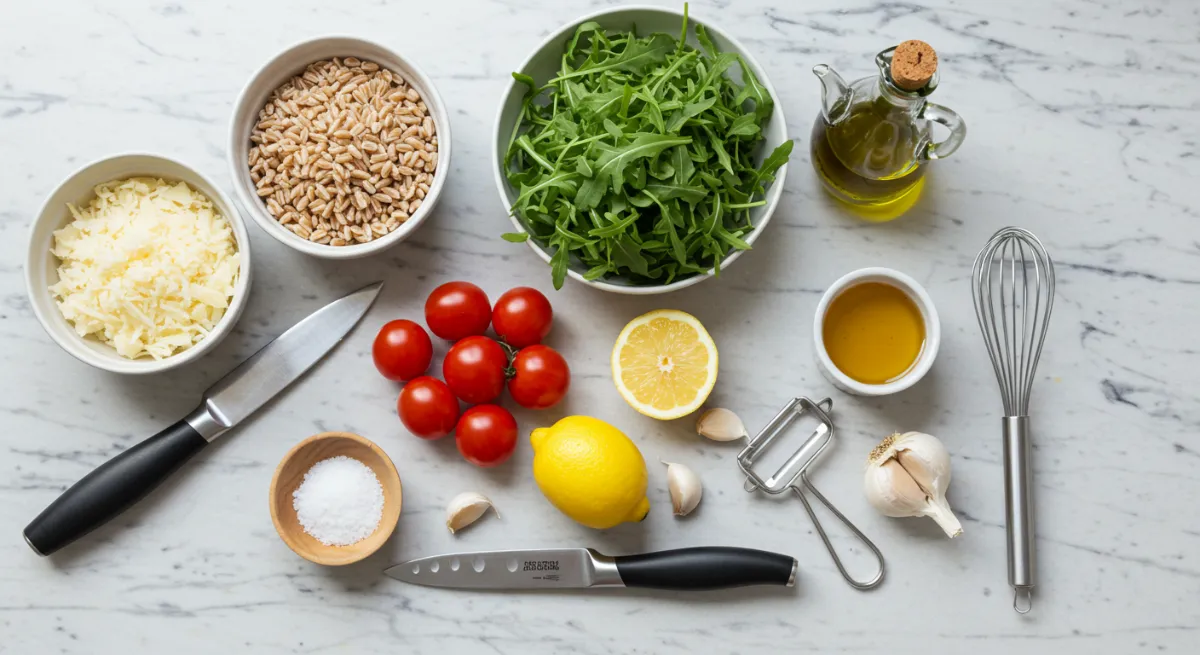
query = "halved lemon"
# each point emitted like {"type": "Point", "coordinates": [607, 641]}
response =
{"type": "Point", "coordinates": [664, 364]}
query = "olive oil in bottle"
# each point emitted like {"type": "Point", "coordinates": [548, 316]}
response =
{"type": "Point", "coordinates": [869, 144]}
{"type": "Point", "coordinates": [872, 141]}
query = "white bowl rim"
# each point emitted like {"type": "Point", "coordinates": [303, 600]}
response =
{"type": "Point", "coordinates": [914, 290]}
{"type": "Point", "coordinates": [254, 206]}
{"type": "Point", "coordinates": [774, 193]}
{"type": "Point", "coordinates": [142, 366]}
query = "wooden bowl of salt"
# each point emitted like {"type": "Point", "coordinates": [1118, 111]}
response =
{"type": "Point", "coordinates": [335, 498]}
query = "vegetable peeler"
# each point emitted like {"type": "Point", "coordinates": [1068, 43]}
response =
{"type": "Point", "coordinates": [792, 475]}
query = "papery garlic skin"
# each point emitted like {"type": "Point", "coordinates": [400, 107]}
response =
{"type": "Point", "coordinates": [720, 424]}
{"type": "Point", "coordinates": [907, 475]}
{"type": "Point", "coordinates": [685, 488]}
{"type": "Point", "coordinates": [465, 509]}
{"type": "Point", "coordinates": [893, 492]}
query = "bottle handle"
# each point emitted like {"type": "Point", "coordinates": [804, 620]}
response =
{"type": "Point", "coordinates": [953, 122]}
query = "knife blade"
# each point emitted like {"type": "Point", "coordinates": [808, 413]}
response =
{"type": "Point", "coordinates": [120, 482]}
{"type": "Point", "coordinates": [682, 569]}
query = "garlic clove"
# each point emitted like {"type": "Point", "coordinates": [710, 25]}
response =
{"type": "Point", "coordinates": [892, 491]}
{"type": "Point", "coordinates": [926, 459]}
{"type": "Point", "coordinates": [465, 509]}
{"type": "Point", "coordinates": [685, 488]}
{"type": "Point", "coordinates": [720, 424]}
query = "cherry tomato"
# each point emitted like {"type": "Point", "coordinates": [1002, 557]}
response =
{"type": "Point", "coordinates": [457, 310]}
{"type": "Point", "coordinates": [486, 435]}
{"type": "Point", "coordinates": [474, 368]}
{"type": "Point", "coordinates": [522, 317]}
{"type": "Point", "coordinates": [541, 379]}
{"type": "Point", "coordinates": [428, 408]}
{"type": "Point", "coordinates": [402, 350]}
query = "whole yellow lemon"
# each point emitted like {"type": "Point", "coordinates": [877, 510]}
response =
{"type": "Point", "coordinates": [590, 471]}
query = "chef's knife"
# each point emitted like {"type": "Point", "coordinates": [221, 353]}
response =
{"type": "Point", "coordinates": [684, 569]}
{"type": "Point", "coordinates": [123, 480]}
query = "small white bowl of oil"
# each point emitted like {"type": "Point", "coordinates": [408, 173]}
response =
{"type": "Point", "coordinates": [876, 332]}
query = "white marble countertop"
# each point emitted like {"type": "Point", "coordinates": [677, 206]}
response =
{"type": "Point", "coordinates": [1083, 121]}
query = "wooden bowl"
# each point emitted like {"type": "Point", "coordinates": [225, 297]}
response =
{"type": "Point", "coordinates": [290, 473]}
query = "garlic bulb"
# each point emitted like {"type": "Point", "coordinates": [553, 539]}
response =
{"type": "Point", "coordinates": [720, 424]}
{"type": "Point", "coordinates": [685, 488]}
{"type": "Point", "coordinates": [907, 475]}
{"type": "Point", "coordinates": [465, 509]}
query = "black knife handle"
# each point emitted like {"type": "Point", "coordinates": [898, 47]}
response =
{"type": "Point", "coordinates": [711, 567]}
{"type": "Point", "coordinates": [112, 488]}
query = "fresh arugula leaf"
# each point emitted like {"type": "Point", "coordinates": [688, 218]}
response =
{"type": "Point", "coordinates": [612, 160]}
{"type": "Point", "coordinates": [635, 57]}
{"type": "Point", "coordinates": [688, 111]}
{"type": "Point", "coordinates": [558, 266]}
{"type": "Point", "coordinates": [682, 162]}
{"type": "Point", "coordinates": [687, 193]}
{"type": "Point", "coordinates": [596, 272]}
{"type": "Point", "coordinates": [563, 181]}
{"type": "Point", "coordinates": [515, 237]}
{"type": "Point", "coordinates": [744, 125]}
{"type": "Point", "coordinates": [753, 90]}
{"type": "Point", "coordinates": [774, 161]}
{"type": "Point", "coordinates": [626, 253]}
{"type": "Point", "coordinates": [722, 155]}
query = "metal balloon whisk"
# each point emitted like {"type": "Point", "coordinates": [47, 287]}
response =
{"type": "Point", "coordinates": [1014, 293]}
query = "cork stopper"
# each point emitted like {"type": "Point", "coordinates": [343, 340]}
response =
{"type": "Point", "coordinates": [913, 64]}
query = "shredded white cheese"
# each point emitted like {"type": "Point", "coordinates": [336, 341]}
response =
{"type": "Point", "coordinates": [148, 267]}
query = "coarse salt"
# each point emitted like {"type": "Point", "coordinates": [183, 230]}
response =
{"type": "Point", "coordinates": [340, 501]}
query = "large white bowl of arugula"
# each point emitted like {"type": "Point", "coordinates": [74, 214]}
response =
{"type": "Point", "coordinates": [635, 161]}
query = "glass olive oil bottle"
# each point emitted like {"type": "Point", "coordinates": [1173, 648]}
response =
{"type": "Point", "coordinates": [872, 139]}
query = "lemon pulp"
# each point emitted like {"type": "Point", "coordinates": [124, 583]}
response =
{"type": "Point", "coordinates": [665, 364]}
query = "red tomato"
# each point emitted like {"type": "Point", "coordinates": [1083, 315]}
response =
{"type": "Point", "coordinates": [402, 350]}
{"type": "Point", "coordinates": [522, 317]}
{"type": "Point", "coordinates": [541, 377]}
{"type": "Point", "coordinates": [474, 368]}
{"type": "Point", "coordinates": [428, 408]}
{"type": "Point", "coordinates": [486, 435]}
{"type": "Point", "coordinates": [457, 310]}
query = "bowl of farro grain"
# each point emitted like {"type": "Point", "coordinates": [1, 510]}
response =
{"type": "Point", "coordinates": [339, 147]}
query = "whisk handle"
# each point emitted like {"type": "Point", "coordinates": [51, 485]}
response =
{"type": "Point", "coordinates": [1018, 504]}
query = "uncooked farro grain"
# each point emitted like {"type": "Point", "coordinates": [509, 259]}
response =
{"type": "Point", "coordinates": [344, 152]}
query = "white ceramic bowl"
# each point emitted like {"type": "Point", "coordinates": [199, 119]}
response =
{"type": "Point", "coordinates": [543, 63]}
{"type": "Point", "coordinates": [282, 68]}
{"type": "Point", "coordinates": [933, 332]}
{"type": "Point", "coordinates": [41, 267]}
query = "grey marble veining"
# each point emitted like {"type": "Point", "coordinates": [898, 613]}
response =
{"type": "Point", "coordinates": [1084, 120]}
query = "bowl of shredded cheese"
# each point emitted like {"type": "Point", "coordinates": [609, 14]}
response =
{"type": "Point", "coordinates": [138, 264]}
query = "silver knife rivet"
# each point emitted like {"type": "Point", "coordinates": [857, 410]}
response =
{"type": "Point", "coordinates": [478, 565]}
{"type": "Point", "coordinates": [433, 568]}
{"type": "Point", "coordinates": [454, 564]}
{"type": "Point", "coordinates": [512, 566]}
{"type": "Point", "coordinates": [416, 569]}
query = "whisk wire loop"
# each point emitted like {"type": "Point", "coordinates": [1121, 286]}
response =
{"type": "Point", "coordinates": [1013, 293]}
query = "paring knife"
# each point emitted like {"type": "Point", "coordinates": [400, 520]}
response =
{"type": "Point", "coordinates": [123, 480]}
{"type": "Point", "coordinates": [684, 569]}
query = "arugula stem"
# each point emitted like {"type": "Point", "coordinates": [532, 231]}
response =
{"type": "Point", "coordinates": [527, 146]}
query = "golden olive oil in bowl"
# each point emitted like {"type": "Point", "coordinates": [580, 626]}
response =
{"type": "Point", "coordinates": [873, 332]}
